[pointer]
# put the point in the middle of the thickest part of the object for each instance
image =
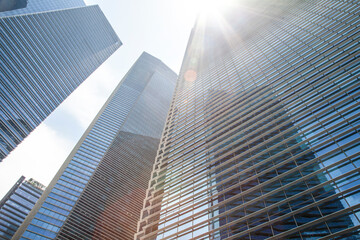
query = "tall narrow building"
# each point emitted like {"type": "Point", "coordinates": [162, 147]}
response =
{"type": "Point", "coordinates": [98, 193]}
{"type": "Point", "coordinates": [16, 205]}
{"type": "Point", "coordinates": [19, 7]}
{"type": "Point", "coordinates": [44, 57]}
{"type": "Point", "coordinates": [262, 139]}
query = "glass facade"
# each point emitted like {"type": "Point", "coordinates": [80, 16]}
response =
{"type": "Point", "coordinates": [98, 193]}
{"type": "Point", "coordinates": [19, 7]}
{"type": "Point", "coordinates": [16, 205]}
{"type": "Point", "coordinates": [44, 57]}
{"type": "Point", "coordinates": [12, 5]}
{"type": "Point", "coordinates": [262, 139]}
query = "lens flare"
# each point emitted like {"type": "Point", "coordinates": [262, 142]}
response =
{"type": "Point", "coordinates": [190, 75]}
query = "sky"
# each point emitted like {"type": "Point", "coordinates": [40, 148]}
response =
{"type": "Point", "coordinates": [159, 27]}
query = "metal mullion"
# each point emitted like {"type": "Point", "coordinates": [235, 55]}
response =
{"type": "Point", "coordinates": [336, 234]}
{"type": "Point", "coordinates": [338, 41]}
{"type": "Point", "coordinates": [309, 224]}
{"type": "Point", "coordinates": [64, 230]}
{"type": "Point", "coordinates": [283, 133]}
{"type": "Point", "coordinates": [36, 233]}
{"type": "Point", "coordinates": [94, 190]}
{"type": "Point", "coordinates": [81, 167]}
{"type": "Point", "coordinates": [284, 174]}
{"type": "Point", "coordinates": [298, 228]}
{"type": "Point", "coordinates": [339, 124]}
{"type": "Point", "coordinates": [96, 183]}
{"type": "Point", "coordinates": [293, 110]}
{"type": "Point", "coordinates": [318, 97]}
{"type": "Point", "coordinates": [343, 10]}
{"type": "Point", "coordinates": [66, 191]}
{"type": "Point", "coordinates": [53, 210]}
{"type": "Point", "coordinates": [316, 203]}
{"type": "Point", "coordinates": [268, 170]}
{"type": "Point", "coordinates": [307, 191]}
{"type": "Point", "coordinates": [84, 208]}
{"type": "Point", "coordinates": [260, 70]}
{"type": "Point", "coordinates": [318, 37]}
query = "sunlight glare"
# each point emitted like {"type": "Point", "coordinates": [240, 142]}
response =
{"type": "Point", "coordinates": [200, 7]}
{"type": "Point", "coordinates": [209, 7]}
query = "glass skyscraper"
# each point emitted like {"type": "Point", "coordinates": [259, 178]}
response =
{"type": "Point", "coordinates": [98, 192]}
{"type": "Point", "coordinates": [19, 7]}
{"type": "Point", "coordinates": [17, 204]}
{"type": "Point", "coordinates": [43, 58]}
{"type": "Point", "coordinates": [262, 138]}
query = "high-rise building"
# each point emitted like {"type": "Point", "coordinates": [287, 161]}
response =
{"type": "Point", "coordinates": [98, 193]}
{"type": "Point", "coordinates": [262, 139]}
{"type": "Point", "coordinates": [43, 58]}
{"type": "Point", "coordinates": [17, 204]}
{"type": "Point", "coordinates": [19, 7]}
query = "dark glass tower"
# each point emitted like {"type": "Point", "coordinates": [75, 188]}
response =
{"type": "Point", "coordinates": [98, 193]}
{"type": "Point", "coordinates": [19, 7]}
{"type": "Point", "coordinates": [43, 58]}
{"type": "Point", "coordinates": [262, 139]}
{"type": "Point", "coordinates": [17, 204]}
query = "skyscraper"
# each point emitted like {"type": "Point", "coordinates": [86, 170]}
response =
{"type": "Point", "coordinates": [16, 205]}
{"type": "Point", "coordinates": [262, 138]}
{"type": "Point", "coordinates": [19, 7]}
{"type": "Point", "coordinates": [44, 57]}
{"type": "Point", "coordinates": [98, 192]}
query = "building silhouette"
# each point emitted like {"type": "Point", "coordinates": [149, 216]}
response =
{"type": "Point", "coordinates": [44, 58]}
{"type": "Point", "coordinates": [19, 7]}
{"type": "Point", "coordinates": [98, 192]}
{"type": "Point", "coordinates": [16, 205]}
{"type": "Point", "coordinates": [262, 137]}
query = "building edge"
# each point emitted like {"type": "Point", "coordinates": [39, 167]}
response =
{"type": "Point", "coordinates": [57, 176]}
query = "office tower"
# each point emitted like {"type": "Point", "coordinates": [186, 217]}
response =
{"type": "Point", "coordinates": [98, 193]}
{"type": "Point", "coordinates": [16, 205]}
{"type": "Point", "coordinates": [44, 57]}
{"type": "Point", "coordinates": [262, 138]}
{"type": "Point", "coordinates": [19, 7]}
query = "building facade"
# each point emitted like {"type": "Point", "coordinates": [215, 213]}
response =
{"type": "Point", "coordinates": [262, 138]}
{"type": "Point", "coordinates": [17, 204]}
{"type": "Point", "coordinates": [98, 193]}
{"type": "Point", "coordinates": [44, 57]}
{"type": "Point", "coordinates": [19, 7]}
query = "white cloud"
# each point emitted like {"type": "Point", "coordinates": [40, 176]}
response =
{"type": "Point", "coordinates": [39, 156]}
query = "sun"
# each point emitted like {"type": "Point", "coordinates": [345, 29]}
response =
{"type": "Point", "coordinates": [209, 7]}
{"type": "Point", "coordinates": [201, 7]}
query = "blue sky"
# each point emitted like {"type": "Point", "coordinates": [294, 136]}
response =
{"type": "Point", "coordinates": [159, 27]}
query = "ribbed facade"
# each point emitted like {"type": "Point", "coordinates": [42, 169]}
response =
{"type": "Point", "coordinates": [109, 207]}
{"type": "Point", "coordinates": [16, 205]}
{"type": "Point", "coordinates": [262, 139]}
{"type": "Point", "coordinates": [98, 193]}
{"type": "Point", "coordinates": [44, 57]}
{"type": "Point", "coordinates": [19, 7]}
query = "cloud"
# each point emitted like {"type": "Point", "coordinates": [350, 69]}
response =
{"type": "Point", "coordinates": [39, 156]}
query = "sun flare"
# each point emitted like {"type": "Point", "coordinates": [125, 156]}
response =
{"type": "Point", "coordinates": [201, 7]}
{"type": "Point", "coordinates": [209, 7]}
